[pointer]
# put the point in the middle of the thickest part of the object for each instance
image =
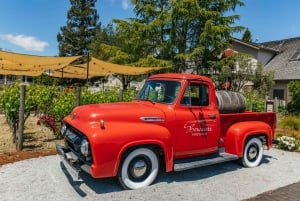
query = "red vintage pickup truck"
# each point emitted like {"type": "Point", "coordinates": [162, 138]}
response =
{"type": "Point", "coordinates": [177, 122]}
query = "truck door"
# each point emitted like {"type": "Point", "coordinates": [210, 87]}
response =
{"type": "Point", "coordinates": [197, 121]}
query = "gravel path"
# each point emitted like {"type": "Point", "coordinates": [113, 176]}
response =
{"type": "Point", "coordinates": [45, 179]}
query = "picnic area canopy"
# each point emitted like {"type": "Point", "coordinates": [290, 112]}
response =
{"type": "Point", "coordinates": [22, 64]}
{"type": "Point", "coordinates": [31, 65]}
{"type": "Point", "coordinates": [98, 67]}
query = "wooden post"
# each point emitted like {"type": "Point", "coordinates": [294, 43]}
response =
{"type": "Point", "coordinates": [78, 94]}
{"type": "Point", "coordinates": [251, 104]}
{"type": "Point", "coordinates": [266, 101]}
{"type": "Point", "coordinates": [276, 110]}
{"type": "Point", "coordinates": [121, 95]}
{"type": "Point", "coordinates": [87, 69]}
{"type": "Point", "coordinates": [19, 144]}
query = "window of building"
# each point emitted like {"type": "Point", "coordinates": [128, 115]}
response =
{"type": "Point", "coordinates": [296, 55]}
{"type": "Point", "coordinates": [278, 93]}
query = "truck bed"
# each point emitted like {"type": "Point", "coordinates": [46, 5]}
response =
{"type": "Point", "coordinates": [228, 119]}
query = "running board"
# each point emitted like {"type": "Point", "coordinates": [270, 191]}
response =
{"type": "Point", "coordinates": [181, 165]}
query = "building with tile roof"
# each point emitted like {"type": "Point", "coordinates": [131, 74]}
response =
{"type": "Point", "coordinates": [285, 65]}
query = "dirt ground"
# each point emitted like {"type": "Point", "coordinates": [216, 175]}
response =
{"type": "Point", "coordinates": [38, 141]}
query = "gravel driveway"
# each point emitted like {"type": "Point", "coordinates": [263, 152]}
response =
{"type": "Point", "coordinates": [45, 179]}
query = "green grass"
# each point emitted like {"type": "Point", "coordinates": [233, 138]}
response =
{"type": "Point", "coordinates": [289, 122]}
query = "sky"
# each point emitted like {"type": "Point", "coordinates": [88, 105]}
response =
{"type": "Point", "coordinates": [31, 26]}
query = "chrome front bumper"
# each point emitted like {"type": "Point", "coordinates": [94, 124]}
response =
{"type": "Point", "coordinates": [72, 163]}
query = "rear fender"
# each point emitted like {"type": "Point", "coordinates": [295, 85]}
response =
{"type": "Point", "coordinates": [238, 133]}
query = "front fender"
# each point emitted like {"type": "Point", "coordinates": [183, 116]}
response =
{"type": "Point", "coordinates": [109, 146]}
{"type": "Point", "coordinates": [238, 133]}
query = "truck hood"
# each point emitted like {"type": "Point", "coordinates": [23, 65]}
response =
{"type": "Point", "coordinates": [109, 112]}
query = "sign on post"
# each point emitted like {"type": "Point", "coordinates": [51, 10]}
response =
{"type": "Point", "coordinates": [269, 106]}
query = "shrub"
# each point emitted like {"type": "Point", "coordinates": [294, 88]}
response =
{"type": "Point", "coordinates": [293, 107]}
{"type": "Point", "coordinates": [129, 95]}
{"type": "Point", "coordinates": [288, 143]}
{"type": "Point", "coordinates": [282, 110]}
{"type": "Point", "coordinates": [290, 122]}
{"type": "Point", "coordinates": [253, 100]}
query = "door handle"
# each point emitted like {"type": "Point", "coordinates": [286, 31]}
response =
{"type": "Point", "coordinates": [212, 116]}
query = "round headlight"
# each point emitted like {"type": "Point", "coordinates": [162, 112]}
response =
{"type": "Point", "coordinates": [84, 148]}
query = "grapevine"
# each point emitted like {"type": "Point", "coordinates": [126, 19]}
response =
{"type": "Point", "coordinates": [51, 103]}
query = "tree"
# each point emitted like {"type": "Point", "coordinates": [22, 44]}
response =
{"type": "Point", "coordinates": [75, 37]}
{"type": "Point", "coordinates": [121, 47]}
{"type": "Point", "coordinates": [239, 70]}
{"type": "Point", "coordinates": [262, 81]}
{"type": "Point", "coordinates": [186, 33]}
{"type": "Point", "coordinates": [247, 37]}
{"type": "Point", "coordinates": [105, 36]}
{"type": "Point", "coordinates": [234, 72]}
{"type": "Point", "coordinates": [293, 107]}
{"type": "Point", "coordinates": [181, 31]}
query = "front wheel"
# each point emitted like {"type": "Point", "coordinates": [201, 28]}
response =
{"type": "Point", "coordinates": [253, 153]}
{"type": "Point", "coordinates": [138, 169]}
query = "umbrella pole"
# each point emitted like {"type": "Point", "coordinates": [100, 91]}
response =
{"type": "Point", "coordinates": [87, 69]}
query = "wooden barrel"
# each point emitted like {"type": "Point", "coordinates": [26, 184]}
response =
{"type": "Point", "coordinates": [230, 102]}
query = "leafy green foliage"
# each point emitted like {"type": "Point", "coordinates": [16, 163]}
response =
{"type": "Point", "coordinates": [62, 104]}
{"type": "Point", "coordinates": [10, 101]}
{"type": "Point", "coordinates": [129, 95]}
{"type": "Point", "coordinates": [283, 110]}
{"type": "Point", "coordinates": [240, 69]}
{"type": "Point", "coordinates": [181, 32]}
{"type": "Point", "coordinates": [254, 102]}
{"type": "Point", "coordinates": [82, 23]}
{"type": "Point", "coordinates": [288, 136]}
{"type": "Point", "coordinates": [42, 97]}
{"type": "Point", "coordinates": [237, 69]}
{"type": "Point", "coordinates": [107, 96]}
{"type": "Point", "coordinates": [247, 36]}
{"type": "Point", "coordinates": [262, 81]}
{"type": "Point", "coordinates": [45, 79]}
{"type": "Point", "coordinates": [288, 143]}
{"type": "Point", "coordinates": [290, 122]}
{"type": "Point", "coordinates": [10, 104]}
{"type": "Point", "coordinates": [52, 103]}
{"type": "Point", "coordinates": [151, 61]}
{"type": "Point", "coordinates": [293, 107]}
{"type": "Point", "coordinates": [176, 34]}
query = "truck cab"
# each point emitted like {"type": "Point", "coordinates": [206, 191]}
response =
{"type": "Point", "coordinates": [174, 124]}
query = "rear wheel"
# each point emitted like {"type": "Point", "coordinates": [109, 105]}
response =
{"type": "Point", "coordinates": [253, 153]}
{"type": "Point", "coordinates": [138, 169]}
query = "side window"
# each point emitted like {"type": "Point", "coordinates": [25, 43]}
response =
{"type": "Point", "coordinates": [196, 95]}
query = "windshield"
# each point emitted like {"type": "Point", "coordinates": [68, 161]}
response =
{"type": "Point", "coordinates": [162, 91]}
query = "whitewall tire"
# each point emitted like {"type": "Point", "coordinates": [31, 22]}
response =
{"type": "Point", "coordinates": [253, 153]}
{"type": "Point", "coordinates": [138, 169]}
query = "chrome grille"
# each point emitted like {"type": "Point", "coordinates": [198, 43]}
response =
{"type": "Point", "coordinates": [73, 139]}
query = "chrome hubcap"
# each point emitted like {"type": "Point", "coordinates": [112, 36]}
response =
{"type": "Point", "coordinates": [252, 153]}
{"type": "Point", "coordinates": [139, 168]}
